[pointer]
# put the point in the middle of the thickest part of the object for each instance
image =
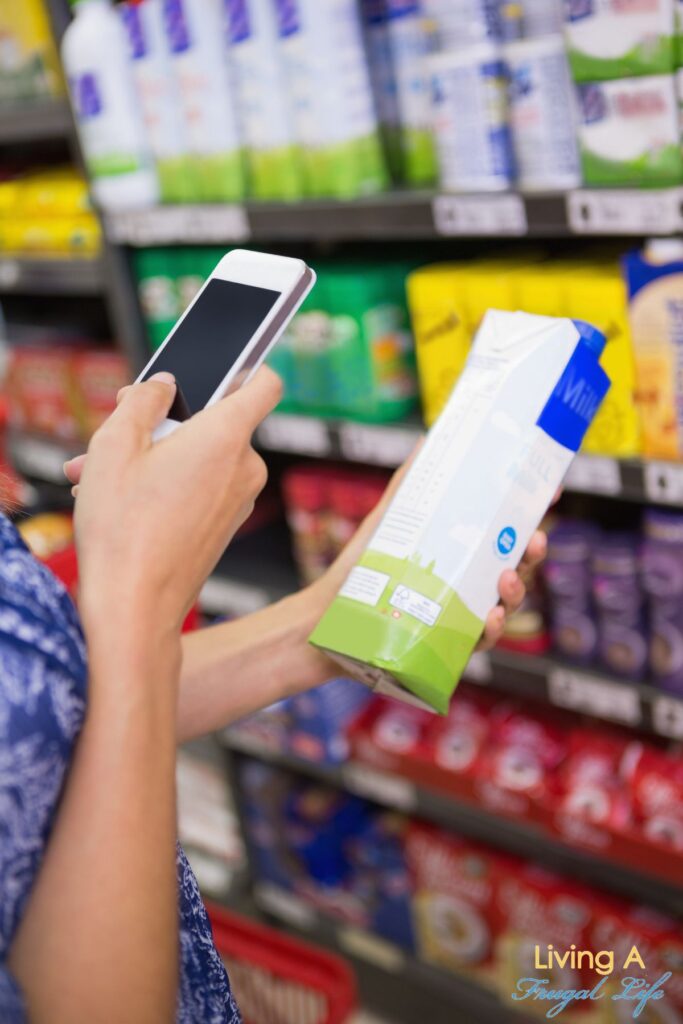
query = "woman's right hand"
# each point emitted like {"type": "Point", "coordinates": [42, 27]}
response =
{"type": "Point", "coordinates": [152, 519]}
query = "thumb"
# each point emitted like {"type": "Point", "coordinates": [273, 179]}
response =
{"type": "Point", "coordinates": [145, 405]}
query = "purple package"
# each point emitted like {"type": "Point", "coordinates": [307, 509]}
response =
{"type": "Point", "coordinates": [620, 606]}
{"type": "Point", "coordinates": [662, 576]}
{"type": "Point", "coordinates": [567, 574]}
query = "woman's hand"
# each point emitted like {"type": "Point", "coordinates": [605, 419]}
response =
{"type": "Point", "coordinates": [511, 585]}
{"type": "Point", "coordinates": [152, 519]}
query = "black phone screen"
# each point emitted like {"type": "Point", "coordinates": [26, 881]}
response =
{"type": "Point", "coordinates": [204, 347]}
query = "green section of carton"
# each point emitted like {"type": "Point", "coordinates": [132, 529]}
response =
{"type": "Point", "coordinates": [221, 177]}
{"type": "Point", "coordinates": [276, 174]}
{"type": "Point", "coordinates": [419, 156]}
{"type": "Point", "coordinates": [111, 165]}
{"type": "Point", "coordinates": [655, 170]}
{"type": "Point", "coordinates": [426, 660]}
{"type": "Point", "coordinates": [346, 170]}
{"type": "Point", "coordinates": [178, 180]}
{"type": "Point", "coordinates": [653, 58]}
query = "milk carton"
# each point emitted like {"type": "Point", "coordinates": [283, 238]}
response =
{"type": "Point", "coordinates": [273, 157]}
{"type": "Point", "coordinates": [629, 132]}
{"type": "Point", "coordinates": [411, 611]}
{"type": "Point", "coordinates": [609, 39]}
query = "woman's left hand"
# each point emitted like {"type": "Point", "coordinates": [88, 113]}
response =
{"type": "Point", "coordinates": [512, 584]}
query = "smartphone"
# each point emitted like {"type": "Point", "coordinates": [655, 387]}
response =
{"type": "Point", "coordinates": [228, 330]}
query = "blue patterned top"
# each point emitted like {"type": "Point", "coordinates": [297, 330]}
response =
{"type": "Point", "coordinates": [43, 684]}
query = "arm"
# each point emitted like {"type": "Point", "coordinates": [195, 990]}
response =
{"type": "Point", "coordinates": [107, 883]}
{"type": "Point", "coordinates": [99, 937]}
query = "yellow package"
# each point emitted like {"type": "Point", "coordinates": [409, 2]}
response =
{"type": "Point", "coordinates": [29, 64]}
{"type": "Point", "coordinates": [440, 328]}
{"type": "Point", "coordinates": [597, 294]}
{"type": "Point", "coordinates": [60, 236]}
{"type": "Point", "coordinates": [55, 195]}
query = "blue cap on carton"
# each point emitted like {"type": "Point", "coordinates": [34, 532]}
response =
{"type": "Point", "coordinates": [592, 337]}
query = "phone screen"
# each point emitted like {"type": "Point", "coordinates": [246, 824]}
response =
{"type": "Point", "coordinates": [210, 339]}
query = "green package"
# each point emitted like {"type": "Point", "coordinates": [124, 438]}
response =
{"type": "Point", "coordinates": [616, 40]}
{"type": "Point", "coordinates": [156, 271]}
{"type": "Point", "coordinates": [352, 352]}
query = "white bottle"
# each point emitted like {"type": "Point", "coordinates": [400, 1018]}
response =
{"type": "Point", "coordinates": [158, 97]}
{"type": "Point", "coordinates": [110, 126]}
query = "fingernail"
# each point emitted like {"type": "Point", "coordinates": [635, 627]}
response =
{"type": "Point", "coordinates": [67, 463]}
{"type": "Point", "coordinates": [164, 377]}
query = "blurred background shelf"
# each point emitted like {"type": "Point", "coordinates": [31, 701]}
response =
{"type": "Point", "coordinates": [41, 458]}
{"type": "Point", "coordinates": [391, 981]}
{"type": "Point", "coordinates": [35, 120]}
{"type": "Point", "coordinates": [45, 276]}
{"type": "Point", "coordinates": [407, 215]}
{"type": "Point", "coordinates": [521, 838]}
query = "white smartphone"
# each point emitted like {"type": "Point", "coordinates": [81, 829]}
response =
{"type": "Point", "coordinates": [229, 329]}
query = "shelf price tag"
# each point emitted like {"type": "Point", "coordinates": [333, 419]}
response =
{"type": "Point", "coordinates": [389, 790]}
{"type": "Point", "coordinates": [164, 225]}
{"type": "Point", "coordinates": [456, 215]}
{"type": "Point", "coordinates": [285, 905]}
{"type": "Point", "coordinates": [592, 474]}
{"type": "Point", "coordinates": [372, 948]}
{"type": "Point", "coordinates": [667, 716]}
{"type": "Point", "coordinates": [10, 273]}
{"type": "Point", "coordinates": [41, 459]}
{"type": "Point", "coordinates": [283, 432]}
{"type": "Point", "coordinates": [617, 702]}
{"type": "Point", "coordinates": [663, 482]}
{"type": "Point", "coordinates": [625, 211]}
{"type": "Point", "coordinates": [380, 446]}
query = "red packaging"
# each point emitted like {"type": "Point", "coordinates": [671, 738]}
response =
{"type": "Point", "coordinates": [306, 494]}
{"type": "Point", "coordinates": [400, 728]}
{"type": "Point", "coordinates": [659, 943]}
{"type": "Point", "coordinates": [541, 909]}
{"type": "Point", "coordinates": [41, 391]}
{"type": "Point", "coordinates": [456, 904]}
{"type": "Point", "coordinates": [456, 741]}
{"type": "Point", "coordinates": [590, 783]}
{"type": "Point", "coordinates": [99, 376]}
{"type": "Point", "coordinates": [516, 768]}
{"type": "Point", "coordinates": [656, 782]}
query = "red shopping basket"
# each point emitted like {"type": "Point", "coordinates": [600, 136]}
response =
{"type": "Point", "coordinates": [279, 980]}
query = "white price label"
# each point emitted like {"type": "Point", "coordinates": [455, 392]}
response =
{"type": "Point", "coordinates": [380, 446]}
{"type": "Point", "coordinates": [163, 225]}
{"type": "Point", "coordinates": [625, 211]}
{"type": "Point", "coordinates": [592, 474]}
{"type": "Point", "coordinates": [371, 948]}
{"type": "Point", "coordinates": [479, 215]}
{"type": "Point", "coordinates": [10, 273]}
{"type": "Point", "coordinates": [667, 716]}
{"type": "Point", "coordinates": [479, 668]}
{"type": "Point", "coordinates": [231, 597]}
{"type": "Point", "coordinates": [41, 459]}
{"type": "Point", "coordinates": [304, 435]}
{"type": "Point", "coordinates": [664, 482]}
{"type": "Point", "coordinates": [617, 702]}
{"type": "Point", "coordinates": [389, 790]}
{"type": "Point", "coordinates": [285, 905]}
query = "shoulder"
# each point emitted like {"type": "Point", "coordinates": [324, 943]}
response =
{"type": "Point", "coordinates": [36, 613]}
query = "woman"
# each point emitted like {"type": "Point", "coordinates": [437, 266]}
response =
{"type": "Point", "coordinates": [100, 917]}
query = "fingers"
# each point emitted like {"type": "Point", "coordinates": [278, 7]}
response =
{"type": "Point", "coordinates": [511, 590]}
{"type": "Point", "coordinates": [250, 405]}
{"type": "Point", "coordinates": [493, 629]}
{"type": "Point", "coordinates": [122, 393]}
{"type": "Point", "coordinates": [533, 556]}
{"type": "Point", "coordinates": [73, 469]}
{"type": "Point", "coordinates": [141, 408]}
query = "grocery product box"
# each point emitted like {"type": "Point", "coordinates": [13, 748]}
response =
{"type": "Point", "coordinates": [41, 391]}
{"type": "Point", "coordinates": [457, 913]}
{"type": "Point", "coordinates": [320, 717]}
{"type": "Point", "coordinates": [629, 132]}
{"type": "Point", "coordinates": [412, 610]}
{"type": "Point", "coordinates": [655, 295]}
{"type": "Point", "coordinates": [608, 39]}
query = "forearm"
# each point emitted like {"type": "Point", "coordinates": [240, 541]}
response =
{"type": "Point", "coordinates": [100, 935]}
{"type": "Point", "coordinates": [235, 668]}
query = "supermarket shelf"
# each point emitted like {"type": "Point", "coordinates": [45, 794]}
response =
{"type": "Point", "coordinates": [388, 444]}
{"type": "Point", "coordinates": [51, 276]}
{"type": "Point", "coordinates": [424, 992]}
{"type": "Point", "coordinates": [35, 120]}
{"type": "Point", "coordinates": [406, 215]}
{"type": "Point", "coordinates": [520, 838]}
{"type": "Point", "coordinates": [42, 458]}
